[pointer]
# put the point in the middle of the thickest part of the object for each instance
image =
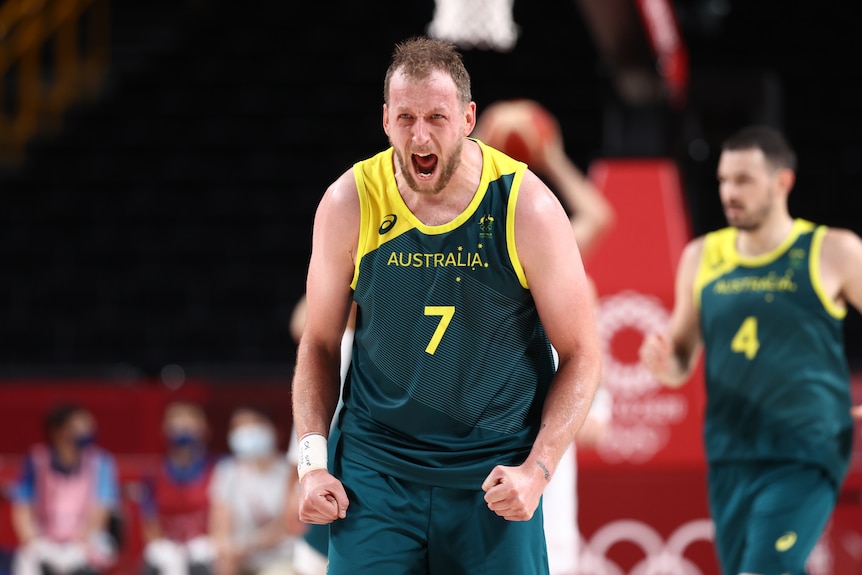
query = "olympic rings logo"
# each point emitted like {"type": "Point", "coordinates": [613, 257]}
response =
{"type": "Point", "coordinates": [668, 557]}
{"type": "Point", "coordinates": [661, 557]}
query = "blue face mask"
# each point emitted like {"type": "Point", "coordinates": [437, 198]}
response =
{"type": "Point", "coordinates": [85, 440]}
{"type": "Point", "coordinates": [183, 439]}
{"type": "Point", "coordinates": [251, 441]}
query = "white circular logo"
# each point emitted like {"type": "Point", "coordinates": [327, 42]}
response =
{"type": "Point", "coordinates": [628, 310]}
{"type": "Point", "coordinates": [639, 427]}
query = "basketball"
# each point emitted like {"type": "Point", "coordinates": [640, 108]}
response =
{"type": "Point", "coordinates": [520, 128]}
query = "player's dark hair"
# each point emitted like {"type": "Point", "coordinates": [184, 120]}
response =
{"type": "Point", "coordinates": [419, 56]}
{"type": "Point", "coordinates": [773, 144]}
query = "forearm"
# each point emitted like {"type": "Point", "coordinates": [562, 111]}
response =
{"type": "Point", "coordinates": [316, 389]}
{"type": "Point", "coordinates": [219, 527]}
{"type": "Point", "coordinates": [24, 522]}
{"type": "Point", "coordinates": [566, 408]}
{"type": "Point", "coordinates": [679, 370]}
{"type": "Point", "coordinates": [680, 366]}
{"type": "Point", "coordinates": [150, 530]}
{"type": "Point", "coordinates": [99, 518]}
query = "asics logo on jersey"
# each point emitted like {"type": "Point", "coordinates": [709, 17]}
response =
{"type": "Point", "coordinates": [387, 224]}
{"type": "Point", "coordinates": [785, 542]}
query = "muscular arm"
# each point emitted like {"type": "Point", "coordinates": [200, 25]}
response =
{"type": "Point", "coordinates": [555, 274]}
{"type": "Point", "coordinates": [316, 383]}
{"type": "Point", "coordinates": [317, 380]}
{"type": "Point", "coordinates": [564, 300]}
{"type": "Point", "coordinates": [672, 356]}
{"type": "Point", "coordinates": [841, 266]}
{"type": "Point", "coordinates": [841, 271]}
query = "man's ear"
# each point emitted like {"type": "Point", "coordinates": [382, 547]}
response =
{"type": "Point", "coordinates": [786, 179]}
{"type": "Point", "coordinates": [470, 118]}
{"type": "Point", "coordinates": [385, 120]}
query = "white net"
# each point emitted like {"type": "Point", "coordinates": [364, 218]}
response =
{"type": "Point", "coordinates": [482, 24]}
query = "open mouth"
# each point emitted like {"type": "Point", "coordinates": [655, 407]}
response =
{"type": "Point", "coordinates": [424, 165]}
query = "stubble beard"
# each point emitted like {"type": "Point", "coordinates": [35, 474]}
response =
{"type": "Point", "coordinates": [447, 167]}
{"type": "Point", "coordinates": [751, 222]}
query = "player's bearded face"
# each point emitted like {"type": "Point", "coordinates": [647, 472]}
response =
{"type": "Point", "coordinates": [750, 214]}
{"type": "Point", "coordinates": [445, 167]}
{"type": "Point", "coordinates": [748, 187]}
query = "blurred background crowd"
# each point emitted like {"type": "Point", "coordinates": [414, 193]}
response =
{"type": "Point", "coordinates": [160, 163]}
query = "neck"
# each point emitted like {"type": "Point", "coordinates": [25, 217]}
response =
{"type": "Point", "coordinates": [67, 455]}
{"type": "Point", "coordinates": [765, 238]}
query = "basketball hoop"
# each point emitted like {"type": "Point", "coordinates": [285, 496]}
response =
{"type": "Point", "coordinates": [483, 24]}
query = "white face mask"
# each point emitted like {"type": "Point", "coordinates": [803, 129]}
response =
{"type": "Point", "coordinates": [251, 441]}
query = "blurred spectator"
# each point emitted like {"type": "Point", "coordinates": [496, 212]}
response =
{"type": "Point", "coordinates": [248, 497]}
{"type": "Point", "coordinates": [175, 507]}
{"type": "Point", "coordinates": [64, 499]}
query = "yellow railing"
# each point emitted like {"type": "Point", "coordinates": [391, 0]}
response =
{"type": "Point", "coordinates": [53, 54]}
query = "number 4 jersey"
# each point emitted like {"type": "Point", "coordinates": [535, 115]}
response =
{"type": "Point", "coordinates": [776, 375]}
{"type": "Point", "coordinates": [450, 364]}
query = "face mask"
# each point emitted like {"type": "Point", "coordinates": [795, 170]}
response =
{"type": "Point", "coordinates": [85, 440]}
{"type": "Point", "coordinates": [183, 439]}
{"type": "Point", "coordinates": [250, 441]}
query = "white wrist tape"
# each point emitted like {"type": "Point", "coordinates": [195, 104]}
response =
{"type": "Point", "coordinates": [312, 453]}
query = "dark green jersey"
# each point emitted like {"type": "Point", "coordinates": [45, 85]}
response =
{"type": "Point", "coordinates": [450, 363]}
{"type": "Point", "coordinates": [776, 375]}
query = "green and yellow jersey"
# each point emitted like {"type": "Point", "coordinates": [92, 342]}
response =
{"type": "Point", "coordinates": [777, 378]}
{"type": "Point", "coordinates": [450, 364]}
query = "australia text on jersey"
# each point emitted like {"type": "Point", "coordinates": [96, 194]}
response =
{"type": "Point", "coordinates": [768, 283]}
{"type": "Point", "coordinates": [436, 260]}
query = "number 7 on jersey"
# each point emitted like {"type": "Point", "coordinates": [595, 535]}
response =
{"type": "Point", "coordinates": [446, 312]}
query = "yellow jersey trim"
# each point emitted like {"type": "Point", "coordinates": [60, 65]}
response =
{"type": "Point", "coordinates": [362, 191]}
{"type": "Point", "coordinates": [720, 255]}
{"type": "Point", "coordinates": [510, 230]}
{"type": "Point", "coordinates": [376, 176]}
{"type": "Point", "coordinates": [834, 309]}
{"type": "Point", "coordinates": [800, 226]}
{"type": "Point", "coordinates": [518, 169]}
{"type": "Point", "coordinates": [377, 170]}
